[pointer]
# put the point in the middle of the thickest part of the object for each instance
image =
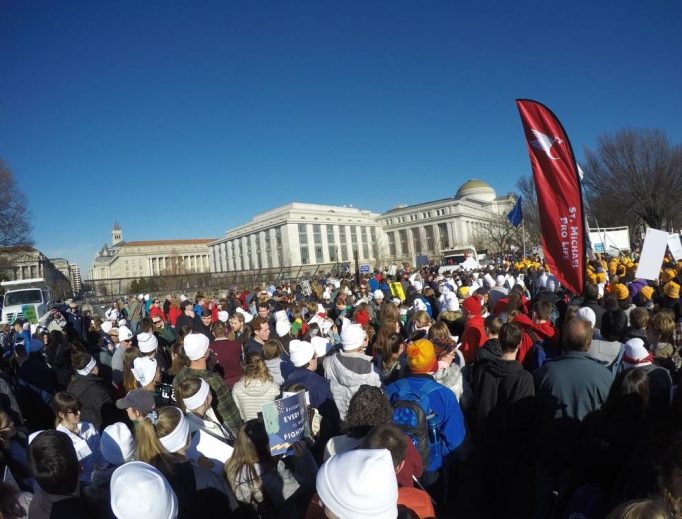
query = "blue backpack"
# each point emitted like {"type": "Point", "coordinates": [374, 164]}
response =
{"type": "Point", "coordinates": [412, 412]}
{"type": "Point", "coordinates": [537, 355]}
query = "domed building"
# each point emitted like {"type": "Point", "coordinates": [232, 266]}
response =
{"type": "Point", "coordinates": [431, 227]}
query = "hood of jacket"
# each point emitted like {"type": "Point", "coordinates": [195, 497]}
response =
{"type": "Point", "coordinates": [500, 368]}
{"type": "Point", "coordinates": [349, 370]}
{"type": "Point", "coordinates": [274, 366]}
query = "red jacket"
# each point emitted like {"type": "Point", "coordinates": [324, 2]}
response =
{"type": "Point", "coordinates": [473, 338]}
{"type": "Point", "coordinates": [173, 314]}
{"type": "Point", "coordinates": [544, 331]}
{"type": "Point", "coordinates": [501, 305]}
{"type": "Point", "coordinates": [155, 310]}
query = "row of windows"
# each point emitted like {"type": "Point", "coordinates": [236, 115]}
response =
{"type": "Point", "coordinates": [417, 216]}
{"type": "Point", "coordinates": [420, 246]}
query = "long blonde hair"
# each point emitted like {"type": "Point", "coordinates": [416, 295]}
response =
{"type": "Point", "coordinates": [255, 369]}
{"type": "Point", "coordinates": [250, 449]}
{"type": "Point", "coordinates": [148, 448]}
{"type": "Point", "coordinates": [129, 380]}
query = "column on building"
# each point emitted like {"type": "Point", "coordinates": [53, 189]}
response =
{"type": "Point", "coordinates": [223, 257]}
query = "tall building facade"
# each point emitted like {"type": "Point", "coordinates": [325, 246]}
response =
{"type": "Point", "coordinates": [297, 234]}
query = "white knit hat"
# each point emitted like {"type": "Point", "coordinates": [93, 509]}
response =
{"type": "Point", "coordinates": [417, 285]}
{"type": "Point", "coordinates": [587, 314]}
{"type": "Point", "coordinates": [144, 370]}
{"type": "Point", "coordinates": [300, 352]}
{"type": "Point", "coordinates": [147, 342]}
{"type": "Point", "coordinates": [282, 325]}
{"type": "Point", "coordinates": [636, 355]}
{"type": "Point", "coordinates": [223, 316]}
{"type": "Point", "coordinates": [321, 345]}
{"type": "Point", "coordinates": [378, 294]}
{"type": "Point", "coordinates": [352, 336]}
{"type": "Point", "coordinates": [359, 484]}
{"type": "Point", "coordinates": [195, 345]}
{"type": "Point", "coordinates": [124, 333]}
{"type": "Point", "coordinates": [499, 280]}
{"type": "Point", "coordinates": [117, 444]}
{"type": "Point", "coordinates": [247, 315]}
{"type": "Point", "coordinates": [106, 326]}
{"type": "Point", "coordinates": [140, 490]}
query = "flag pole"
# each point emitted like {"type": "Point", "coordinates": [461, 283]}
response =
{"type": "Point", "coordinates": [523, 235]}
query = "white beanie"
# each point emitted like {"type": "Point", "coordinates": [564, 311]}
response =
{"type": "Point", "coordinates": [282, 325]}
{"type": "Point", "coordinates": [147, 342]}
{"type": "Point", "coordinates": [146, 297]}
{"type": "Point", "coordinates": [144, 370]}
{"type": "Point", "coordinates": [378, 294]}
{"type": "Point", "coordinates": [195, 345]}
{"type": "Point", "coordinates": [499, 280]}
{"type": "Point", "coordinates": [124, 333]}
{"type": "Point", "coordinates": [300, 352]}
{"type": "Point", "coordinates": [326, 295]}
{"type": "Point", "coordinates": [140, 490]}
{"type": "Point", "coordinates": [321, 345]}
{"type": "Point", "coordinates": [636, 355]}
{"type": "Point", "coordinates": [247, 316]}
{"type": "Point", "coordinates": [587, 314]}
{"type": "Point", "coordinates": [352, 336]}
{"type": "Point", "coordinates": [117, 444]}
{"type": "Point", "coordinates": [359, 484]}
{"type": "Point", "coordinates": [223, 316]}
{"type": "Point", "coordinates": [140, 297]}
{"type": "Point", "coordinates": [417, 285]}
{"type": "Point", "coordinates": [106, 326]}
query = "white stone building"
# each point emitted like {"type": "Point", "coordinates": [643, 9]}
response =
{"type": "Point", "coordinates": [141, 259]}
{"type": "Point", "coordinates": [429, 228]}
{"type": "Point", "coordinates": [295, 235]}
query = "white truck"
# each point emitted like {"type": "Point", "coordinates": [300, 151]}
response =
{"type": "Point", "coordinates": [25, 293]}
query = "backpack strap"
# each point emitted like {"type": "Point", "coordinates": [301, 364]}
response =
{"type": "Point", "coordinates": [533, 336]}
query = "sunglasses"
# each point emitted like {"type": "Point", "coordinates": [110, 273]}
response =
{"type": "Point", "coordinates": [74, 411]}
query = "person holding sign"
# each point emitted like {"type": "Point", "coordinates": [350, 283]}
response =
{"type": "Point", "coordinates": [274, 487]}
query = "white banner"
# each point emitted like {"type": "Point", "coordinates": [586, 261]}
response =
{"type": "Point", "coordinates": [653, 252]}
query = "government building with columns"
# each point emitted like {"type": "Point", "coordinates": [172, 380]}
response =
{"type": "Point", "coordinates": [138, 259]}
{"type": "Point", "coordinates": [297, 235]}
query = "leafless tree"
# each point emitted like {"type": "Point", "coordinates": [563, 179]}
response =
{"type": "Point", "coordinates": [498, 235]}
{"type": "Point", "coordinates": [15, 220]}
{"type": "Point", "coordinates": [635, 174]}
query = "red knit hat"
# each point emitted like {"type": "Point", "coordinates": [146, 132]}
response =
{"type": "Point", "coordinates": [472, 305]}
{"type": "Point", "coordinates": [362, 317]}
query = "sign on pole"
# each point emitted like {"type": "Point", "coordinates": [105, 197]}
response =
{"type": "Point", "coordinates": [653, 251]}
{"type": "Point", "coordinates": [364, 269]}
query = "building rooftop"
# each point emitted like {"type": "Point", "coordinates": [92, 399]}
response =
{"type": "Point", "coordinates": [155, 243]}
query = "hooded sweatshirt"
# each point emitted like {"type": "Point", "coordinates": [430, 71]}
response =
{"type": "Point", "coordinates": [545, 332]}
{"type": "Point", "coordinates": [346, 372]}
{"type": "Point", "coordinates": [505, 397]}
{"type": "Point", "coordinates": [249, 394]}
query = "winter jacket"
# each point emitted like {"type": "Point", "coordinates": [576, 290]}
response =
{"type": "Point", "coordinates": [97, 404]}
{"type": "Point", "coordinates": [417, 501]}
{"type": "Point", "coordinates": [51, 506]}
{"type": "Point", "coordinates": [173, 314]}
{"type": "Point", "coordinates": [346, 372]}
{"type": "Point", "coordinates": [445, 406]}
{"type": "Point", "coordinates": [87, 447]}
{"type": "Point", "coordinates": [253, 345]}
{"type": "Point", "coordinates": [505, 398]}
{"type": "Point", "coordinates": [155, 310]}
{"type": "Point", "coordinates": [135, 311]}
{"type": "Point", "coordinates": [279, 369]}
{"type": "Point", "coordinates": [285, 488]}
{"type": "Point", "coordinates": [567, 388]}
{"type": "Point", "coordinates": [229, 354]}
{"type": "Point", "coordinates": [320, 393]}
{"type": "Point", "coordinates": [544, 332]}
{"type": "Point", "coordinates": [473, 337]}
{"type": "Point", "coordinates": [249, 394]}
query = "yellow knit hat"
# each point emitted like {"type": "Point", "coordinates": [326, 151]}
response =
{"type": "Point", "coordinates": [647, 292]}
{"type": "Point", "coordinates": [592, 278]}
{"type": "Point", "coordinates": [421, 357]}
{"type": "Point", "coordinates": [621, 292]}
{"type": "Point", "coordinates": [601, 277]}
{"type": "Point", "coordinates": [672, 290]}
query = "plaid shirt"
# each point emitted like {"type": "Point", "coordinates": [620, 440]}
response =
{"type": "Point", "coordinates": [223, 404]}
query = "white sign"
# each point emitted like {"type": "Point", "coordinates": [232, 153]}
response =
{"type": "Point", "coordinates": [653, 251]}
{"type": "Point", "coordinates": [675, 246]}
{"type": "Point", "coordinates": [209, 452]}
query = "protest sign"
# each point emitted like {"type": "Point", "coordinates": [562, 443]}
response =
{"type": "Point", "coordinates": [286, 422]}
{"type": "Point", "coordinates": [397, 290]}
{"type": "Point", "coordinates": [653, 251]}
{"type": "Point", "coordinates": [30, 314]}
{"type": "Point", "coordinates": [675, 246]}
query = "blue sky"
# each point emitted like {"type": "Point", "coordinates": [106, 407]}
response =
{"type": "Point", "coordinates": [184, 119]}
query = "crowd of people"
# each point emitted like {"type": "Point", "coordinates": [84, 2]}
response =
{"type": "Point", "coordinates": [491, 392]}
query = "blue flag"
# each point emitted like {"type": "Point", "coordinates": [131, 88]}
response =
{"type": "Point", "coordinates": [515, 216]}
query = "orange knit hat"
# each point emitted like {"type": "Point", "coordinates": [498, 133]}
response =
{"type": "Point", "coordinates": [421, 357]}
{"type": "Point", "coordinates": [621, 292]}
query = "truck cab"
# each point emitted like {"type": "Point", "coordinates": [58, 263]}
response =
{"type": "Point", "coordinates": [23, 294]}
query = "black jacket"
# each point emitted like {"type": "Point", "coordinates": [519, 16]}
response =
{"type": "Point", "coordinates": [489, 351]}
{"type": "Point", "coordinates": [93, 394]}
{"type": "Point", "coordinates": [49, 506]}
{"type": "Point", "coordinates": [505, 398]}
{"type": "Point", "coordinates": [597, 309]}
